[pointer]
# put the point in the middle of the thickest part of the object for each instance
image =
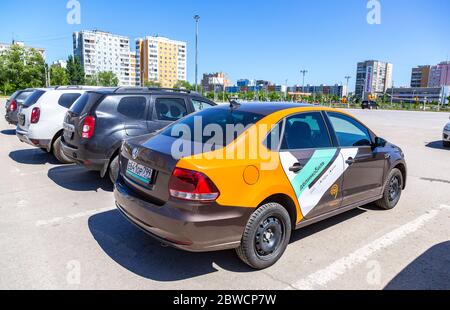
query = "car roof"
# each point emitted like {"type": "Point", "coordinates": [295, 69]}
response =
{"type": "Point", "coordinates": [266, 108]}
{"type": "Point", "coordinates": [143, 90]}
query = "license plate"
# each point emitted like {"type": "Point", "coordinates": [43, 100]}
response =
{"type": "Point", "coordinates": [21, 118]}
{"type": "Point", "coordinates": [139, 172]}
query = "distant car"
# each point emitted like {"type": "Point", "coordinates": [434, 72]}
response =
{"type": "Point", "coordinates": [307, 164]}
{"type": "Point", "coordinates": [41, 117]}
{"type": "Point", "coordinates": [13, 103]}
{"type": "Point", "coordinates": [97, 124]}
{"type": "Point", "coordinates": [446, 136]}
{"type": "Point", "coordinates": [371, 105]}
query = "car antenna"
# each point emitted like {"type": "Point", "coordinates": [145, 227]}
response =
{"type": "Point", "coordinates": [234, 104]}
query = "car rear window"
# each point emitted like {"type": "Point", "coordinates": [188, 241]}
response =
{"type": "Point", "coordinates": [80, 104]}
{"type": "Point", "coordinates": [66, 100]}
{"type": "Point", "coordinates": [23, 96]}
{"type": "Point", "coordinates": [224, 120]}
{"type": "Point", "coordinates": [33, 98]}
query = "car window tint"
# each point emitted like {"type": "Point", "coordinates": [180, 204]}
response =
{"type": "Point", "coordinates": [33, 98]}
{"type": "Point", "coordinates": [349, 132]}
{"type": "Point", "coordinates": [170, 109]}
{"type": "Point", "coordinates": [133, 107]}
{"type": "Point", "coordinates": [23, 96]}
{"type": "Point", "coordinates": [305, 131]}
{"type": "Point", "coordinates": [66, 100]}
{"type": "Point", "coordinates": [200, 105]}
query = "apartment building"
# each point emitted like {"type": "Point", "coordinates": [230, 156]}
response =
{"type": "Point", "coordinates": [373, 77]}
{"type": "Point", "coordinates": [6, 46]}
{"type": "Point", "coordinates": [215, 81]}
{"type": "Point", "coordinates": [103, 51]}
{"type": "Point", "coordinates": [440, 75]}
{"type": "Point", "coordinates": [134, 69]}
{"type": "Point", "coordinates": [420, 76]}
{"type": "Point", "coordinates": [161, 60]}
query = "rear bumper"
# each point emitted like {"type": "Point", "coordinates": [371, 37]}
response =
{"type": "Point", "coordinates": [40, 143]}
{"type": "Point", "coordinates": [11, 118]}
{"type": "Point", "coordinates": [82, 157]}
{"type": "Point", "coordinates": [183, 225]}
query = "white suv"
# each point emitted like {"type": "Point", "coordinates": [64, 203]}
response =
{"type": "Point", "coordinates": [446, 136]}
{"type": "Point", "coordinates": [41, 117]}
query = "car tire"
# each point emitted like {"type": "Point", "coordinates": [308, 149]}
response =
{"type": "Point", "coordinates": [259, 250]}
{"type": "Point", "coordinates": [113, 170]}
{"type": "Point", "coordinates": [59, 154]}
{"type": "Point", "coordinates": [392, 190]}
{"type": "Point", "coordinates": [446, 143]}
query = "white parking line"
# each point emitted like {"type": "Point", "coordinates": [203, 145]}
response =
{"type": "Point", "coordinates": [321, 278]}
{"type": "Point", "coordinates": [57, 220]}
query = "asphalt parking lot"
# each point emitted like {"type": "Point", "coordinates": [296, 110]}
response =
{"type": "Point", "coordinates": [59, 229]}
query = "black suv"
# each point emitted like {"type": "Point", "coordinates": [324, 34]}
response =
{"type": "Point", "coordinates": [100, 120]}
{"type": "Point", "coordinates": [371, 105]}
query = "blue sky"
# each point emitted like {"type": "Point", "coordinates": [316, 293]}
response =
{"type": "Point", "coordinates": [266, 39]}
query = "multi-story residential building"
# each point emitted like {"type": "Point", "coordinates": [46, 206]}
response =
{"type": "Point", "coordinates": [420, 94]}
{"type": "Point", "coordinates": [161, 60]}
{"type": "Point", "coordinates": [5, 46]}
{"type": "Point", "coordinates": [372, 78]}
{"type": "Point", "coordinates": [134, 70]}
{"type": "Point", "coordinates": [215, 81]}
{"type": "Point", "coordinates": [60, 63]}
{"type": "Point", "coordinates": [103, 51]}
{"type": "Point", "coordinates": [440, 75]}
{"type": "Point", "coordinates": [420, 76]}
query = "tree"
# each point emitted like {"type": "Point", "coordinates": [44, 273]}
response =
{"type": "Point", "coordinates": [58, 76]}
{"type": "Point", "coordinates": [107, 79]}
{"type": "Point", "coordinates": [75, 71]}
{"type": "Point", "coordinates": [183, 85]}
{"type": "Point", "coordinates": [21, 68]}
{"type": "Point", "coordinates": [152, 84]}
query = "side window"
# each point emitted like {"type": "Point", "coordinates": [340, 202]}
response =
{"type": "Point", "coordinates": [133, 107]}
{"type": "Point", "coordinates": [305, 131]}
{"type": "Point", "coordinates": [66, 100]}
{"type": "Point", "coordinates": [170, 109]}
{"type": "Point", "coordinates": [200, 105]}
{"type": "Point", "coordinates": [349, 132]}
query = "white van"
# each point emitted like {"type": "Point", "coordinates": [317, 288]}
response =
{"type": "Point", "coordinates": [41, 117]}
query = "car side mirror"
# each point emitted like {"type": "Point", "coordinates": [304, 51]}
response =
{"type": "Point", "coordinates": [379, 142]}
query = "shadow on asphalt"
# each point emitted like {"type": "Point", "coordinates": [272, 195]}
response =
{"type": "Point", "coordinates": [429, 271]}
{"type": "Point", "coordinates": [76, 178]}
{"type": "Point", "coordinates": [8, 132]}
{"type": "Point", "coordinates": [33, 157]}
{"type": "Point", "coordinates": [437, 145]}
{"type": "Point", "coordinates": [141, 254]}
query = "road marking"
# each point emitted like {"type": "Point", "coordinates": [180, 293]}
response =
{"type": "Point", "coordinates": [321, 278]}
{"type": "Point", "coordinates": [57, 220]}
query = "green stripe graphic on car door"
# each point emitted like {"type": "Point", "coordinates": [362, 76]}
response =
{"type": "Point", "coordinates": [312, 170]}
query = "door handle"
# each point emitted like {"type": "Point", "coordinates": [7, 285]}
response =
{"type": "Point", "coordinates": [350, 161]}
{"type": "Point", "coordinates": [297, 167]}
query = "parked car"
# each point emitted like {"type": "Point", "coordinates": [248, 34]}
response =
{"type": "Point", "coordinates": [100, 120]}
{"type": "Point", "coordinates": [369, 105]}
{"type": "Point", "coordinates": [12, 104]}
{"type": "Point", "coordinates": [41, 117]}
{"type": "Point", "coordinates": [323, 163]}
{"type": "Point", "coordinates": [446, 135]}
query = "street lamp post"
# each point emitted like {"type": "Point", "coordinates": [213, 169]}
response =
{"type": "Point", "coordinates": [348, 77]}
{"type": "Point", "coordinates": [196, 18]}
{"type": "Point", "coordinates": [303, 72]}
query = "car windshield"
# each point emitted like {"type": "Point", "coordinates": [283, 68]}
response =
{"type": "Point", "coordinates": [213, 126]}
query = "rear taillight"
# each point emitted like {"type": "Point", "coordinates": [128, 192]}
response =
{"type": "Point", "coordinates": [192, 185]}
{"type": "Point", "coordinates": [13, 106]}
{"type": "Point", "coordinates": [88, 127]}
{"type": "Point", "coordinates": [35, 115]}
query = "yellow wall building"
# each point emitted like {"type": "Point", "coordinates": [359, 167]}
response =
{"type": "Point", "coordinates": [162, 60]}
